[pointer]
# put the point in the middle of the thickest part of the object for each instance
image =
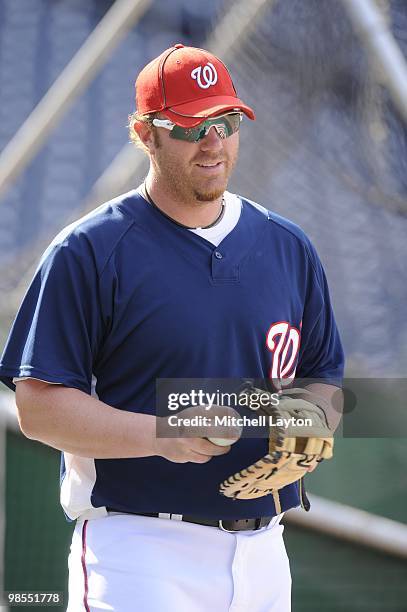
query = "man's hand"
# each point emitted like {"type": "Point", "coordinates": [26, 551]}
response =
{"type": "Point", "coordinates": [189, 443]}
{"type": "Point", "coordinates": [184, 450]}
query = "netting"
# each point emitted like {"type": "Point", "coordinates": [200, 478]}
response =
{"type": "Point", "coordinates": [328, 150]}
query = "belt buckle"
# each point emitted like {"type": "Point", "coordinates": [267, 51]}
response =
{"type": "Point", "coordinates": [257, 526]}
{"type": "Point", "coordinates": [220, 525]}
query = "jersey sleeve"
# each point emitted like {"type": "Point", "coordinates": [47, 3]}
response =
{"type": "Point", "coordinates": [58, 327]}
{"type": "Point", "coordinates": [321, 354]}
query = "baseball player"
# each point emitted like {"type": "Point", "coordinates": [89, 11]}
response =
{"type": "Point", "coordinates": [178, 278]}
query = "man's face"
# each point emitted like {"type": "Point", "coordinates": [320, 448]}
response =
{"type": "Point", "coordinates": [194, 170]}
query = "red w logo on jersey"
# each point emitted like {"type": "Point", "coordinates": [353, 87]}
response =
{"type": "Point", "coordinates": [283, 340]}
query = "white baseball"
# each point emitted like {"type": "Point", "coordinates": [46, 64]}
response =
{"type": "Point", "coordinates": [222, 441]}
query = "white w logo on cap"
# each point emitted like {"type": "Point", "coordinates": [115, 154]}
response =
{"type": "Point", "coordinates": [206, 76]}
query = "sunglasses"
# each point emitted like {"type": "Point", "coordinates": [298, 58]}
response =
{"type": "Point", "coordinates": [225, 125]}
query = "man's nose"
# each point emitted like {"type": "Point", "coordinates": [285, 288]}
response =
{"type": "Point", "coordinates": [212, 141]}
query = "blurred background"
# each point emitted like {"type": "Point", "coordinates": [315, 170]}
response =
{"type": "Point", "coordinates": [327, 79]}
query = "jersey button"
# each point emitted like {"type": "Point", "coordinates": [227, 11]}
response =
{"type": "Point", "coordinates": [218, 255]}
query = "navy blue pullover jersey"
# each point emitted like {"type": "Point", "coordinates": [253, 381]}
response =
{"type": "Point", "coordinates": [128, 296]}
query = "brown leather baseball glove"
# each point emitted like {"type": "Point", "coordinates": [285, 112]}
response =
{"type": "Point", "coordinates": [299, 438]}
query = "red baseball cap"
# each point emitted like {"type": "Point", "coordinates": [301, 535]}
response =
{"type": "Point", "coordinates": [187, 85]}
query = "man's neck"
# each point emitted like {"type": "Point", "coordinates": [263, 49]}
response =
{"type": "Point", "coordinates": [192, 213]}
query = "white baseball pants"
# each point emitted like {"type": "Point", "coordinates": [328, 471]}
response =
{"type": "Point", "coordinates": [129, 563]}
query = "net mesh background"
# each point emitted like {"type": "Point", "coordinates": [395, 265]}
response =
{"type": "Point", "coordinates": [328, 151]}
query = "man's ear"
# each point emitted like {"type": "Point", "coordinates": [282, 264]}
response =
{"type": "Point", "coordinates": [145, 133]}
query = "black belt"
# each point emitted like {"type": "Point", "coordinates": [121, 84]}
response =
{"type": "Point", "coordinates": [252, 524]}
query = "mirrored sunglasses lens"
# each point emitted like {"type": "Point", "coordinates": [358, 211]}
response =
{"type": "Point", "coordinates": [225, 125]}
{"type": "Point", "coordinates": [233, 121]}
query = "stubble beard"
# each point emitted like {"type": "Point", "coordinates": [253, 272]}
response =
{"type": "Point", "coordinates": [185, 189]}
{"type": "Point", "coordinates": [209, 196]}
